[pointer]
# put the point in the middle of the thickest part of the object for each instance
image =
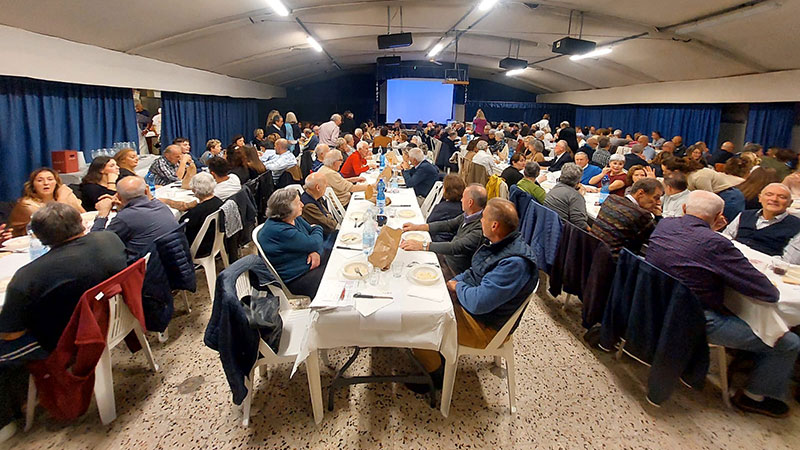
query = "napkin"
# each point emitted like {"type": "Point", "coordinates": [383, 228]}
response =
{"type": "Point", "coordinates": [367, 306]}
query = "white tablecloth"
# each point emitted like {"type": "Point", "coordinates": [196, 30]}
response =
{"type": "Point", "coordinates": [591, 198]}
{"type": "Point", "coordinates": [769, 321]}
{"type": "Point", "coordinates": [407, 322]}
{"type": "Point", "coordinates": [9, 264]}
{"type": "Point", "coordinates": [173, 192]}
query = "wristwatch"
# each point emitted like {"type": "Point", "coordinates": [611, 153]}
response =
{"type": "Point", "coordinates": [426, 246]}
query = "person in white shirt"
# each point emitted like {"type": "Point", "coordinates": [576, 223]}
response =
{"type": "Point", "coordinates": [486, 159]}
{"type": "Point", "coordinates": [282, 160]}
{"type": "Point", "coordinates": [545, 122]}
{"type": "Point", "coordinates": [677, 193]}
{"type": "Point", "coordinates": [329, 131]}
{"type": "Point", "coordinates": [227, 183]}
{"type": "Point", "coordinates": [771, 229]}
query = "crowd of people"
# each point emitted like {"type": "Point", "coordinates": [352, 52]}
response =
{"type": "Point", "coordinates": [743, 193]}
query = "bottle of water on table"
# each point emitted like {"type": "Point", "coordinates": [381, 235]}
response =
{"type": "Point", "coordinates": [35, 246]}
{"type": "Point", "coordinates": [150, 179]}
{"type": "Point", "coordinates": [368, 236]}
{"type": "Point", "coordinates": [604, 189]}
{"type": "Point", "coordinates": [382, 160]}
{"type": "Point", "coordinates": [395, 186]}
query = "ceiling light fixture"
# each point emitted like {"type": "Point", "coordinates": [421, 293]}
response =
{"type": "Point", "coordinates": [736, 14]}
{"type": "Point", "coordinates": [515, 72]}
{"type": "Point", "coordinates": [593, 54]}
{"type": "Point", "coordinates": [486, 5]}
{"type": "Point", "coordinates": [314, 44]}
{"type": "Point", "coordinates": [278, 7]}
{"type": "Point", "coordinates": [435, 50]}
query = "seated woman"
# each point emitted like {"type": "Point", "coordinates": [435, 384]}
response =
{"type": "Point", "coordinates": [294, 248]}
{"type": "Point", "coordinates": [695, 152]}
{"type": "Point", "coordinates": [202, 185]}
{"type": "Point", "coordinates": [635, 174]}
{"type": "Point", "coordinates": [449, 207]}
{"type": "Point", "coordinates": [43, 186]}
{"type": "Point", "coordinates": [238, 161]}
{"type": "Point", "coordinates": [254, 165]}
{"type": "Point", "coordinates": [758, 179]}
{"type": "Point", "coordinates": [127, 160]}
{"type": "Point", "coordinates": [616, 175]}
{"type": "Point", "coordinates": [100, 180]}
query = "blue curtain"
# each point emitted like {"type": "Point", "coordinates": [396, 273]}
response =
{"type": "Point", "coordinates": [203, 117]}
{"type": "Point", "coordinates": [37, 117]}
{"type": "Point", "coordinates": [692, 122]}
{"type": "Point", "coordinates": [527, 112]}
{"type": "Point", "coordinates": [770, 124]}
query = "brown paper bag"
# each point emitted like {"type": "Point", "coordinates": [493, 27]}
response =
{"type": "Point", "coordinates": [386, 175]}
{"type": "Point", "coordinates": [369, 194]}
{"type": "Point", "coordinates": [385, 248]}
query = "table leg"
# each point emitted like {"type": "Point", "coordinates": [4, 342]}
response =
{"type": "Point", "coordinates": [314, 386]}
{"type": "Point", "coordinates": [450, 368]}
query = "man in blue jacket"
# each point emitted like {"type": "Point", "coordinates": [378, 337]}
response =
{"type": "Point", "coordinates": [419, 173]}
{"type": "Point", "coordinates": [503, 274]}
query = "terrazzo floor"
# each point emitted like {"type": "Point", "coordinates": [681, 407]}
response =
{"type": "Point", "coordinates": [568, 396]}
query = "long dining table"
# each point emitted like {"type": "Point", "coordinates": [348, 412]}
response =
{"type": "Point", "coordinates": [415, 316]}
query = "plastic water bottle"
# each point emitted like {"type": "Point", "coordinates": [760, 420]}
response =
{"type": "Point", "coordinates": [35, 246]}
{"type": "Point", "coordinates": [604, 189]}
{"type": "Point", "coordinates": [368, 236]}
{"type": "Point", "coordinates": [394, 186]}
{"type": "Point", "coordinates": [382, 159]}
{"type": "Point", "coordinates": [150, 179]}
{"type": "Point", "coordinates": [380, 199]}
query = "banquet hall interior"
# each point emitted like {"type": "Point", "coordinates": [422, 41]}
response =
{"type": "Point", "coordinates": [399, 224]}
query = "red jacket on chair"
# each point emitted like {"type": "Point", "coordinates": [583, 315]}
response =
{"type": "Point", "coordinates": [65, 380]}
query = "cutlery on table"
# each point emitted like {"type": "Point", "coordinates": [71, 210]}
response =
{"type": "Point", "coordinates": [360, 295]}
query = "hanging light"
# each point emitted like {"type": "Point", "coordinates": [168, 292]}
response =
{"type": "Point", "coordinates": [486, 5]}
{"type": "Point", "coordinates": [515, 72]}
{"type": "Point", "coordinates": [314, 44]}
{"type": "Point", "coordinates": [279, 8]}
{"type": "Point", "coordinates": [435, 50]}
{"type": "Point", "coordinates": [593, 54]}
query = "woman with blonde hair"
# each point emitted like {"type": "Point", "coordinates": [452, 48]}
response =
{"type": "Point", "coordinates": [479, 123]}
{"type": "Point", "coordinates": [127, 160]}
{"type": "Point", "coordinates": [43, 186]}
{"type": "Point", "coordinates": [292, 132]}
{"type": "Point", "coordinates": [271, 116]}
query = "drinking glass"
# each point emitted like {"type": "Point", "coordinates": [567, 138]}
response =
{"type": "Point", "coordinates": [397, 268]}
{"type": "Point", "coordinates": [374, 276]}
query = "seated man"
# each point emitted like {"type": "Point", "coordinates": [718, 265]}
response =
{"type": "Point", "coordinates": [140, 220]}
{"type": "Point", "coordinates": [314, 210]}
{"type": "Point", "coordinates": [486, 159]}
{"type": "Point", "coordinates": [281, 161]}
{"type": "Point", "coordinates": [356, 163]}
{"type": "Point", "coordinates": [186, 149]}
{"type": "Point", "coordinates": [561, 156]}
{"type": "Point", "coordinates": [771, 230]}
{"type": "Point", "coordinates": [635, 157]}
{"type": "Point", "coordinates": [42, 295]}
{"type": "Point", "coordinates": [341, 187]}
{"type": "Point", "coordinates": [513, 173]}
{"type": "Point", "coordinates": [485, 296]}
{"type": "Point", "coordinates": [529, 183]}
{"type": "Point", "coordinates": [418, 173]}
{"type": "Point", "coordinates": [457, 253]}
{"type": "Point", "coordinates": [309, 140]}
{"type": "Point", "coordinates": [294, 247]}
{"type": "Point", "coordinates": [589, 170]}
{"type": "Point", "coordinates": [628, 221]}
{"type": "Point", "coordinates": [227, 182]}
{"type": "Point", "coordinates": [677, 192]}
{"type": "Point", "coordinates": [602, 153]}
{"type": "Point", "coordinates": [171, 166]}
{"type": "Point", "coordinates": [566, 200]}
{"type": "Point", "coordinates": [688, 249]}
{"type": "Point", "coordinates": [319, 152]}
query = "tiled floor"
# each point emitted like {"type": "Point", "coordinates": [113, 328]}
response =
{"type": "Point", "coordinates": [568, 397]}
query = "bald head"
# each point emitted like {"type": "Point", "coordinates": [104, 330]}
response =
{"type": "Point", "coordinates": [499, 219]}
{"type": "Point", "coordinates": [704, 205]}
{"type": "Point", "coordinates": [281, 145]}
{"type": "Point", "coordinates": [320, 151]}
{"type": "Point", "coordinates": [173, 153]}
{"type": "Point", "coordinates": [131, 187]}
{"type": "Point", "coordinates": [315, 186]}
{"type": "Point", "coordinates": [473, 199]}
{"type": "Point", "coordinates": [727, 146]}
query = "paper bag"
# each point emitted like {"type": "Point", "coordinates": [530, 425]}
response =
{"type": "Point", "coordinates": [385, 248]}
{"type": "Point", "coordinates": [371, 195]}
{"type": "Point", "coordinates": [391, 158]}
{"type": "Point", "coordinates": [387, 175]}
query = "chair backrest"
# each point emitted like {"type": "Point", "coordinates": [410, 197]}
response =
{"type": "Point", "coordinates": [334, 205]}
{"type": "Point", "coordinates": [272, 270]}
{"type": "Point", "coordinates": [433, 198]}
{"type": "Point", "coordinates": [476, 173]}
{"type": "Point", "coordinates": [297, 188]}
{"type": "Point", "coordinates": [502, 191]}
{"type": "Point", "coordinates": [211, 223]}
{"type": "Point", "coordinates": [501, 335]}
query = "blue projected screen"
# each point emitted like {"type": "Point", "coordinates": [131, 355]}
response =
{"type": "Point", "coordinates": [412, 100]}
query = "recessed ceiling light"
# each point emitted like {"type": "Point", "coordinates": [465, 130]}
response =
{"type": "Point", "coordinates": [314, 44]}
{"type": "Point", "coordinates": [515, 72]}
{"type": "Point", "coordinates": [279, 8]}
{"type": "Point", "coordinates": [486, 5]}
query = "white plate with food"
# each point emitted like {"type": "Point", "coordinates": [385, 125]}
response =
{"type": "Point", "coordinates": [350, 238]}
{"type": "Point", "coordinates": [406, 213]}
{"type": "Point", "coordinates": [17, 244]}
{"type": "Point", "coordinates": [424, 275]}
{"type": "Point", "coordinates": [355, 270]}
{"type": "Point", "coordinates": [357, 216]}
{"type": "Point", "coordinates": [414, 236]}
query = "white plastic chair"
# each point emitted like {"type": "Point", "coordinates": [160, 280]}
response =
{"type": "Point", "coordinates": [218, 248]}
{"type": "Point", "coordinates": [120, 323]}
{"type": "Point", "coordinates": [502, 346]}
{"type": "Point", "coordinates": [297, 188]}
{"type": "Point", "coordinates": [303, 299]}
{"type": "Point", "coordinates": [334, 205]}
{"type": "Point", "coordinates": [433, 198]}
{"type": "Point", "coordinates": [295, 323]}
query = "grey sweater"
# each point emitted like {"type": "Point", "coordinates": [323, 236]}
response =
{"type": "Point", "coordinates": [568, 203]}
{"type": "Point", "coordinates": [458, 252]}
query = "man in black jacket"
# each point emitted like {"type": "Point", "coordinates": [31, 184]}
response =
{"type": "Point", "coordinates": [562, 156]}
{"type": "Point", "coordinates": [467, 228]}
{"type": "Point", "coordinates": [567, 133]}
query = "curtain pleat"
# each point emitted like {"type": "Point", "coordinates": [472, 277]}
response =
{"type": "Point", "coordinates": [527, 112]}
{"type": "Point", "coordinates": [770, 124]}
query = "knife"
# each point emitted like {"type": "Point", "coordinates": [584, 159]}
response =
{"type": "Point", "coordinates": [359, 295]}
{"type": "Point", "coordinates": [347, 248]}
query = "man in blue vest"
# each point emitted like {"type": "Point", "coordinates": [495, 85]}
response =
{"type": "Point", "coordinates": [770, 230]}
{"type": "Point", "coordinates": [503, 274]}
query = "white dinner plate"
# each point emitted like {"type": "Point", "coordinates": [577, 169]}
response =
{"type": "Point", "coordinates": [414, 236]}
{"type": "Point", "coordinates": [355, 270]}
{"type": "Point", "coordinates": [17, 244]}
{"type": "Point", "coordinates": [350, 238]}
{"type": "Point", "coordinates": [424, 275]}
{"type": "Point", "coordinates": [357, 216]}
{"type": "Point", "coordinates": [406, 213]}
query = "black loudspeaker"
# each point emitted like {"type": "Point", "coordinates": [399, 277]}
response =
{"type": "Point", "coordinates": [572, 46]}
{"type": "Point", "coordinates": [394, 40]}
{"type": "Point", "coordinates": [388, 60]}
{"type": "Point", "coordinates": [513, 63]}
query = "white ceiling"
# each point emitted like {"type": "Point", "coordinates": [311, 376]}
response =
{"type": "Point", "coordinates": [220, 36]}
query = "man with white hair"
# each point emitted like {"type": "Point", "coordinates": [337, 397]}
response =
{"type": "Point", "coordinates": [707, 263]}
{"type": "Point", "coordinates": [770, 230]}
{"type": "Point", "coordinates": [351, 143]}
{"type": "Point", "coordinates": [618, 139]}
{"type": "Point", "coordinates": [281, 161]}
{"type": "Point", "coordinates": [418, 172]}
{"type": "Point", "coordinates": [329, 131]}
{"type": "Point", "coordinates": [357, 135]}
{"type": "Point", "coordinates": [314, 209]}
{"type": "Point", "coordinates": [356, 163]}
{"type": "Point", "coordinates": [341, 187]}
{"type": "Point", "coordinates": [320, 151]}
{"type": "Point", "coordinates": [561, 156]}
{"type": "Point", "coordinates": [486, 159]}
{"type": "Point", "coordinates": [140, 220]}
